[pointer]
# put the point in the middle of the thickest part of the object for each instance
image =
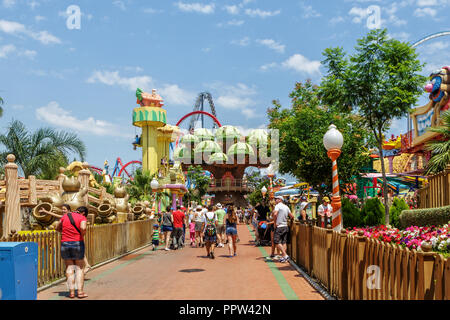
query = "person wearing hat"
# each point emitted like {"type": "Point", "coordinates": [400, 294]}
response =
{"type": "Point", "coordinates": [220, 213]}
{"type": "Point", "coordinates": [281, 213]}
{"type": "Point", "coordinates": [303, 205]}
{"type": "Point", "coordinates": [198, 219]}
{"type": "Point", "coordinates": [325, 211]}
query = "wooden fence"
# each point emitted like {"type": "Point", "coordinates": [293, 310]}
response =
{"type": "Point", "coordinates": [359, 268]}
{"type": "Point", "coordinates": [437, 192]}
{"type": "Point", "coordinates": [103, 242]}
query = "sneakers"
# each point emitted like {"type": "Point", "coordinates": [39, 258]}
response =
{"type": "Point", "coordinates": [167, 249]}
{"type": "Point", "coordinates": [211, 255]}
{"type": "Point", "coordinates": [284, 259]}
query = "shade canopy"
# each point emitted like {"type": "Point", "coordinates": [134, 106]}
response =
{"type": "Point", "coordinates": [204, 134]}
{"type": "Point", "coordinates": [258, 136]}
{"type": "Point", "coordinates": [240, 148]}
{"type": "Point", "coordinates": [207, 146]}
{"type": "Point", "coordinates": [227, 133]}
{"type": "Point", "coordinates": [218, 157]}
{"type": "Point", "coordinates": [189, 138]}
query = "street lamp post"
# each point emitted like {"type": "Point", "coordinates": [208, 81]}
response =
{"type": "Point", "coordinates": [333, 141]}
{"type": "Point", "coordinates": [155, 185]}
{"type": "Point", "coordinates": [264, 191]}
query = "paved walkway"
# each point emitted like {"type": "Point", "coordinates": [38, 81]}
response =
{"type": "Point", "coordinates": [188, 274]}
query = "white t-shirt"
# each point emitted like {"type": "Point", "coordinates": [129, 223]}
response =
{"type": "Point", "coordinates": [303, 205]}
{"type": "Point", "coordinates": [211, 217]}
{"type": "Point", "coordinates": [325, 210]}
{"type": "Point", "coordinates": [199, 215]}
{"type": "Point", "coordinates": [283, 213]}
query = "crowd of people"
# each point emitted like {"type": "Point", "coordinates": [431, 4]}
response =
{"type": "Point", "coordinates": [212, 227]}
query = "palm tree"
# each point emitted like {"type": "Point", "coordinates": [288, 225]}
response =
{"type": "Point", "coordinates": [42, 152]}
{"type": "Point", "coordinates": [440, 149]}
{"type": "Point", "coordinates": [1, 109]}
{"type": "Point", "coordinates": [139, 187]}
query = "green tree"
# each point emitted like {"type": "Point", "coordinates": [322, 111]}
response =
{"type": "Point", "coordinates": [380, 82]}
{"type": "Point", "coordinates": [301, 130]}
{"type": "Point", "coordinates": [351, 215]}
{"type": "Point", "coordinates": [1, 104]}
{"type": "Point", "coordinates": [440, 149]}
{"type": "Point", "coordinates": [256, 195]}
{"type": "Point", "coordinates": [373, 212]}
{"type": "Point", "coordinates": [396, 209]}
{"type": "Point", "coordinates": [139, 188]}
{"type": "Point", "coordinates": [42, 152]}
{"type": "Point", "coordinates": [199, 181]}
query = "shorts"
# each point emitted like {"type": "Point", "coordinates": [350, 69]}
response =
{"type": "Point", "coordinates": [155, 242]}
{"type": "Point", "coordinates": [220, 229]}
{"type": "Point", "coordinates": [72, 250]}
{"type": "Point", "coordinates": [166, 228]}
{"type": "Point", "coordinates": [231, 231]}
{"type": "Point", "coordinates": [198, 226]}
{"type": "Point", "coordinates": [280, 235]}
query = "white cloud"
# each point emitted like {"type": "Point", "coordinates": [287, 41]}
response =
{"type": "Point", "coordinates": [243, 42]}
{"type": "Point", "coordinates": [9, 3]}
{"type": "Point", "coordinates": [234, 23]}
{"type": "Point", "coordinates": [113, 78]}
{"type": "Point", "coordinates": [119, 4]}
{"type": "Point", "coordinates": [39, 18]}
{"type": "Point", "coordinates": [424, 12]}
{"type": "Point", "coordinates": [196, 7]}
{"type": "Point", "coordinates": [426, 3]}
{"type": "Point", "coordinates": [301, 64]}
{"type": "Point", "coordinates": [268, 66]}
{"type": "Point", "coordinates": [30, 54]}
{"type": "Point", "coordinates": [18, 107]}
{"type": "Point", "coordinates": [359, 13]}
{"type": "Point", "coordinates": [309, 12]}
{"type": "Point", "coordinates": [336, 20]}
{"type": "Point", "coordinates": [173, 94]}
{"type": "Point", "coordinates": [57, 116]}
{"type": "Point", "coordinates": [232, 9]}
{"type": "Point", "coordinates": [239, 97]}
{"type": "Point", "coordinates": [272, 44]}
{"type": "Point", "coordinates": [401, 36]}
{"type": "Point", "coordinates": [151, 10]}
{"type": "Point", "coordinates": [6, 50]}
{"type": "Point", "coordinates": [260, 13]}
{"type": "Point", "coordinates": [33, 4]}
{"type": "Point", "coordinates": [15, 28]}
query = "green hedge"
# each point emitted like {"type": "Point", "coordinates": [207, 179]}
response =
{"type": "Point", "coordinates": [425, 217]}
{"type": "Point", "coordinates": [398, 206]}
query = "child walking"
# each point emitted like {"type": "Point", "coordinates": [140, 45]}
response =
{"type": "Point", "coordinates": [155, 238]}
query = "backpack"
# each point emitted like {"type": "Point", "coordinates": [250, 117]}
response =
{"type": "Point", "coordinates": [210, 229]}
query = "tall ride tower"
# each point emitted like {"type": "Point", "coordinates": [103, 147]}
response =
{"type": "Point", "coordinates": [149, 116]}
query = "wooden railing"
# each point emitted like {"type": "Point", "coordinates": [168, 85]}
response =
{"type": "Point", "coordinates": [103, 242]}
{"type": "Point", "coordinates": [228, 185]}
{"type": "Point", "coordinates": [437, 192]}
{"type": "Point", "coordinates": [356, 267]}
{"type": "Point", "coordinates": [16, 193]}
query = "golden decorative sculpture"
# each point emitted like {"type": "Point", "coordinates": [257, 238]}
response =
{"type": "Point", "coordinates": [117, 208]}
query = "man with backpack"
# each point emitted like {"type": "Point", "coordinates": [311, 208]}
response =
{"type": "Point", "coordinates": [210, 231]}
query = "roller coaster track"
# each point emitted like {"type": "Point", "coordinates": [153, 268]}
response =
{"type": "Point", "coordinates": [200, 106]}
{"type": "Point", "coordinates": [430, 37]}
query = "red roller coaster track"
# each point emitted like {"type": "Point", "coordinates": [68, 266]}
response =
{"type": "Point", "coordinates": [116, 168]}
{"type": "Point", "coordinates": [199, 112]}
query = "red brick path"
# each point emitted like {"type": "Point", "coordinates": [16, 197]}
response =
{"type": "Point", "coordinates": [161, 275]}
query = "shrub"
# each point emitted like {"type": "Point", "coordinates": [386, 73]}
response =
{"type": "Point", "coordinates": [351, 215]}
{"type": "Point", "coordinates": [373, 212]}
{"type": "Point", "coordinates": [425, 217]}
{"type": "Point", "coordinates": [396, 209]}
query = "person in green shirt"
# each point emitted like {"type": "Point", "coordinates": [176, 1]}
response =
{"type": "Point", "coordinates": [220, 213]}
{"type": "Point", "coordinates": [155, 238]}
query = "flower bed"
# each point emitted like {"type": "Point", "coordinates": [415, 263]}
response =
{"type": "Point", "coordinates": [411, 237]}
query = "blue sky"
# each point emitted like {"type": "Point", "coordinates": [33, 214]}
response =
{"type": "Point", "coordinates": [246, 53]}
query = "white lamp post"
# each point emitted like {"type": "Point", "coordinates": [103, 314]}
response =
{"type": "Point", "coordinates": [155, 185]}
{"type": "Point", "coordinates": [333, 141]}
{"type": "Point", "coordinates": [264, 191]}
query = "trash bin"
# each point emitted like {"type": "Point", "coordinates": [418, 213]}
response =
{"type": "Point", "coordinates": [18, 270]}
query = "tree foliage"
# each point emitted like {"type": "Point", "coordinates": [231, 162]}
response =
{"type": "Point", "coordinates": [199, 182]}
{"type": "Point", "coordinates": [139, 188]}
{"type": "Point", "coordinates": [301, 129]}
{"type": "Point", "coordinates": [42, 152]}
{"type": "Point", "coordinates": [380, 82]}
{"type": "Point", "coordinates": [440, 149]}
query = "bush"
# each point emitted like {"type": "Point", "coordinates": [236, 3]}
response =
{"type": "Point", "coordinates": [351, 215]}
{"type": "Point", "coordinates": [425, 217]}
{"type": "Point", "coordinates": [373, 212]}
{"type": "Point", "coordinates": [396, 209]}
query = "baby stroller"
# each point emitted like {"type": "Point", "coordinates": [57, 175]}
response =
{"type": "Point", "coordinates": [264, 234]}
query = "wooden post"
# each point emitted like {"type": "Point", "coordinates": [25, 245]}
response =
{"type": "Point", "coordinates": [12, 201]}
{"type": "Point", "coordinates": [83, 176]}
{"type": "Point", "coordinates": [33, 198]}
{"type": "Point", "coordinates": [360, 272]}
{"type": "Point", "coordinates": [329, 235]}
{"type": "Point", "coordinates": [61, 177]}
{"type": "Point", "coordinates": [426, 286]}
